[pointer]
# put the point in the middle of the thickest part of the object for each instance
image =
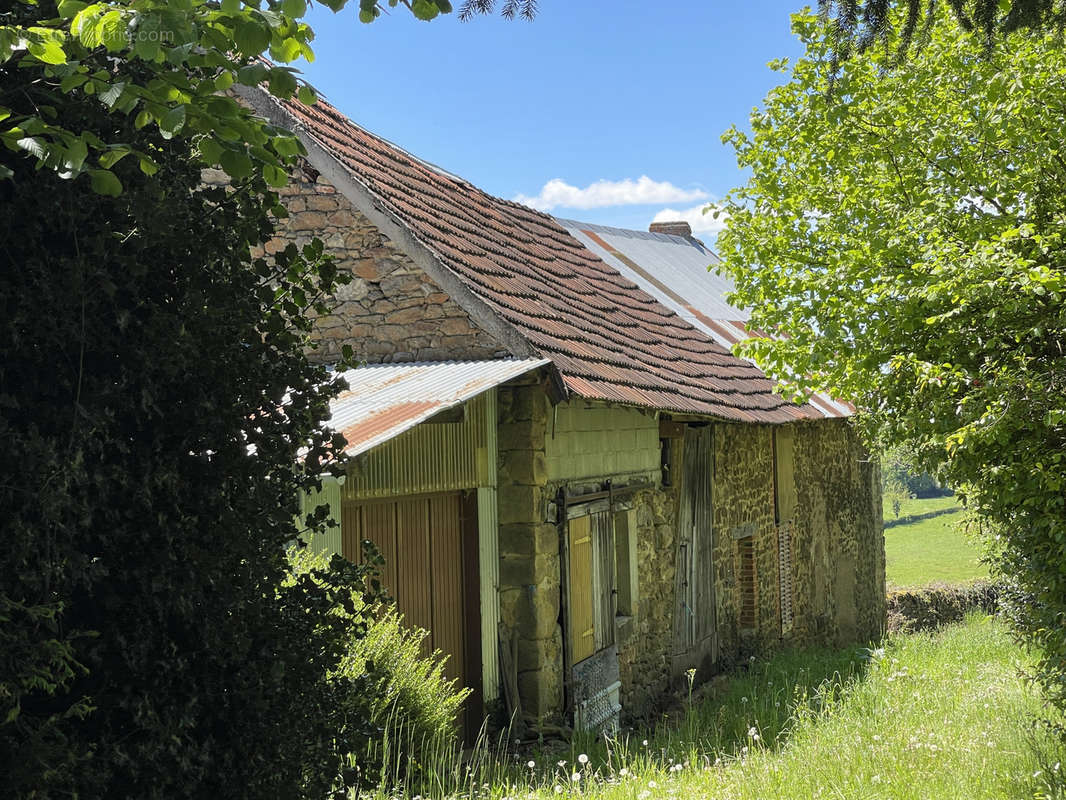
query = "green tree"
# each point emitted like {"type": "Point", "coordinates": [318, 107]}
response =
{"type": "Point", "coordinates": [157, 418]}
{"type": "Point", "coordinates": [908, 235]}
{"type": "Point", "coordinates": [168, 65]}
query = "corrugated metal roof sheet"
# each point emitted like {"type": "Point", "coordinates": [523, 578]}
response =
{"type": "Point", "coordinates": [384, 400]}
{"type": "Point", "coordinates": [674, 269]}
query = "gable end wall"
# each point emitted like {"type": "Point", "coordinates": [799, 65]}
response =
{"type": "Point", "coordinates": [392, 311]}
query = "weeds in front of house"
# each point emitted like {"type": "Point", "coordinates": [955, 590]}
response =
{"type": "Point", "coordinates": [946, 715]}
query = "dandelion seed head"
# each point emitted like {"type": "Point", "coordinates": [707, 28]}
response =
{"type": "Point", "coordinates": [531, 764]}
{"type": "Point", "coordinates": [582, 759]}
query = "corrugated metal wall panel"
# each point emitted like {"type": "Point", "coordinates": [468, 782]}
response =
{"type": "Point", "coordinates": [447, 580]}
{"type": "Point", "coordinates": [330, 495]}
{"type": "Point", "coordinates": [429, 458]}
{"type": "Point", "coordinates": [414, 566]}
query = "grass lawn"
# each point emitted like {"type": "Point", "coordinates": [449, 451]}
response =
{"type": "Point", "coordinates": [944, 715]}
{"type": "Point", "coordinates": [930, 550]}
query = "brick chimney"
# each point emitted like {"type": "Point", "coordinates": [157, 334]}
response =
{"type": "Point", "coordinates": [672, 228]}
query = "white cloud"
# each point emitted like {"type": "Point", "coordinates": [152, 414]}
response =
{"type": "Point", "coordinates": [697, 220]}
{"type": "Point", "coordinates": [557, 193]}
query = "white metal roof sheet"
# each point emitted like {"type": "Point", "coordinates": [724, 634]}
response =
{"type": "Point", "coordinates": [676, 271]}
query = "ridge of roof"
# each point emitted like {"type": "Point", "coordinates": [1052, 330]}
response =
{"type": "Point", "coordinates": [633, 233]}
{"type": "Point", "coordinates": [609, 339]}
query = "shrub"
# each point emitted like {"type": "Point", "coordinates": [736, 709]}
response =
{"type": "Point", "coordinates": [938, 604]}
{"type": "Point", "coordinates": [405, 695]}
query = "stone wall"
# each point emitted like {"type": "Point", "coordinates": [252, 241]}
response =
{"type": "Point", "coordinates": [530, 593]}
{"type": "Point", "coordinates": [578, 444]}
{"type": "Point", "coordinates": [840, 580]}
{"type": "Point", "coordinates": [586, 444]}
{"type": "Point", "coordinates": [837, 546]}
{"type": "Point", "coordinates": [392, 310]}
{"type": "Point", "coordinates": [644, 642]}
{"type": "Point", "coordinates": [743, 505]}
{"type": "Point", "coordinates": [838, 562]}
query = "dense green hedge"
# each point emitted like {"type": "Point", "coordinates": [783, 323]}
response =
{"type": "Point", "coordinates": [158, 416]}
{"type": "Point", "coordinates": [938, 604]}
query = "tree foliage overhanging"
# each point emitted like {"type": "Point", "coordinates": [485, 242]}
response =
{"type": "Point", "coordinates": [908, 234]}
{"type": "Point", "coordinates": [168, 66]}
{"type": "Point", "coordinates": [857, 25]}
{"type": "Point", "coordinates": [157, 418]}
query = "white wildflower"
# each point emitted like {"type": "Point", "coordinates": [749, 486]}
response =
{"type": "Point", "coordinates": [575, 777]}
{"type": "Point", "coordinates": [623, 772]}
{"type": "Point", "coordinates": [531, 764]}
{"type": "Point", "coordinates": [582, 759]}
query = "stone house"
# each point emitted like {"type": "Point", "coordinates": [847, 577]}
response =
{"type": "Point", "coordinates": [578, 491]}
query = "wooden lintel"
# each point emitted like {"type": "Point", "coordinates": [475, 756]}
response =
{"type": "Point", "coordinates": [671, 429]}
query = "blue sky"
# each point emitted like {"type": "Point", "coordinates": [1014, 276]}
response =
{"type": "Point", "coordinates": [592, 96]}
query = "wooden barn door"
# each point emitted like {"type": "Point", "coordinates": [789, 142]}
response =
{"type": "Point", "coordinates": [431, 570]}
{"type": "Point", "coordinates": [695, 623]}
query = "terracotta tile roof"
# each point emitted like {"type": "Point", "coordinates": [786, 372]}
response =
{"type": "Point", "coordinates": [609, 339]}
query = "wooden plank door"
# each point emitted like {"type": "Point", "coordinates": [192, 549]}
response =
{"type": "Point", "coordinates": [695, 620]}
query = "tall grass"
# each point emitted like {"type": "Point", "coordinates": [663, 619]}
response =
{"type": "Point", "coordinates": [942, 715]}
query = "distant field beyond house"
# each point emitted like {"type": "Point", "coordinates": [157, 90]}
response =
{"type": "Point", "coordinates": [930, 550]}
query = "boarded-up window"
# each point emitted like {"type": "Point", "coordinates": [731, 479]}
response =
{"type": "Point", "coordinates": [592, 584]}
{"type": "Point", "coordinates": [582, 618]}
{"type": "Point", "coordinates": [785, 497]}
{"type": "Point", "coordinates": [784, 568]}
{"type": "Point", "coordinates": [746, 586]}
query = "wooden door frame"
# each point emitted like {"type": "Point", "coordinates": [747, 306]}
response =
{"type": "Point", "coordinates": [471, 556]}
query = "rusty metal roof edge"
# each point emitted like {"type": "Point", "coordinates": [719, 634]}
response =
{"type": "Point", "coordinates": [351, 406]}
